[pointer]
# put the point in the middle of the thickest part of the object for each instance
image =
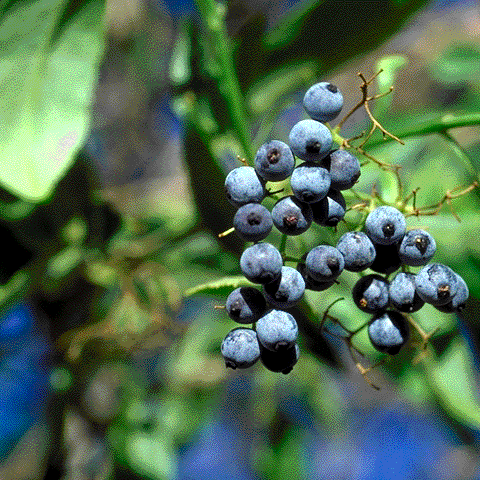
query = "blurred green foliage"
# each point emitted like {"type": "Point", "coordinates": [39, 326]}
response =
{"type": "Point", "coordinates": [114, 283]}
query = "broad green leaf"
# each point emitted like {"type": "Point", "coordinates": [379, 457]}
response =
{"type": "Point", "coordinates": [333, 33]}
{"type": "Point", "coordinates": [453, 379]}
{"type": "Point", "coordinates": [220, 287]}
{"type": "Point", "coordinates": [290, 25]}
{"type": "Point", "coordinates": [264, 95]}
{"type": "Point", "coordinates": [48, 72]}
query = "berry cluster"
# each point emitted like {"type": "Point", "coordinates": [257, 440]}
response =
{"type": "Point", "coordinates": [384, 246]}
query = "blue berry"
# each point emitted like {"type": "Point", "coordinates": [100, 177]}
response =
{"type": "Point", "coordinates": [402, 293]}
{"type": "Point", "coordinates": [252, 222]}
{"type": "Point", "coordinates": [245, 305]}
{"type": "Point", "coordinates": [310, 283]}
{"type": "Point", "coordinates": [291, 216]}
{"type": "Point", "coordinates": [370, 293]}
{"type": "Point", "coordinates": [417, 248]}
{"type": "Point", "coordinates": [280, 361]}
{"type": "Point", "coordinates": [240, 348]}
{"type": "Point", "coordinates": [387, 259]}
{"type": "Point", "coordinates": [330, 210]}
{"type": "Point", "coordinates": [385, 225]}
{"type": "Point", "coordinates": [323, 101]}
{"type": "Point", "coordinates": [388, 332]}
{"type": "Point", "coordinates": [274, 161]}
{"type": "Point", "coordinates": [310, 140]}
{"type": "Point", "coordinates": [310, 182]}
{"type": "Point", "coordinates": [324, 263]}
{"type": "Point", "coordinates": [261, 263]}
{"type": "Point", "coordinates": [344, 169]}
{"type": "Point", "coordinates": [358, 251]}
{"type": "Point", "coordinates": [437, 284]}
{"type": "Point", "coordinates": [243, 186]}
{"type": "Point", "coordinates": [277, 330]}
{"type": "Point", "coordinates": [457, 304]}
{"type": "Point", "coordinates": [286, 291]}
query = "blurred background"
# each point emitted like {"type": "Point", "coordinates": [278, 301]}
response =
{"type": "Point", "coordinates": [109, 368]}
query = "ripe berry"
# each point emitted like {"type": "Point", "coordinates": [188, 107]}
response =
{"type": "Point", "coordinates": [330, 210]}
{"type": "Point", "coordinates": [261, 263]}
{"type": "Point", "coordinates": [245, 305]}
{"type": "Point", "coordinates": [240, 348]}
{"type": "Point", "coordinates": [243, 186]}
{"type": "Point", "coordinates": [417, 248]}
{"type": "Point", "coordinates": [323, 101]}
{"type": "Point", "coordinates": [386, 259]}
{"type": "Point", "coordinates": [310, 182]}
{"type": "Point", "coordinates": [286, 291]}
{"type": "Point", "coordinates": [281, 360]}
{"type": "Point", "coordinates": [457, 304]}
{"type": "Point", "coordinates": [388, 332]}
{"type": "Point", "coordinates": [277, 330]}
{"type": "Point", "coordinates": [291, 216]}
{"type": "Point", "coordinates": [385, 225]}
{"type": "Point", "coordinates": [310, 283]}
{"type": "Point", "coordinates": [344, 169]}
{"type": "Point", "coordinates": [436, 284]}
{"type": "Point", "coordinates": [324, 263]}
{"type": "Point", "coordinates": [252, 222]}
{"type": "Point", "coordinates": [358, 251]}
{"type": "Point", "coordinates": [274, 161]}
{"type": "Point", "coordinates": [310, 140]}
{"type": "Point", "coordinates": [370, 293]}
{"type": "Point", "coordinates": [402, 293]}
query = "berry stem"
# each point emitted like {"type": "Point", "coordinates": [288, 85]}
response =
{"type": "Point", "coordinates": [429, 126]}
{"type": "Point", "coordinates": [226, 232]}
{"type": "Point", "coordinates": [213, 15]}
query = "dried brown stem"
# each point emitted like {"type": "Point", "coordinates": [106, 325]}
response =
{"type": "Point", "coordinates": [447, 198]}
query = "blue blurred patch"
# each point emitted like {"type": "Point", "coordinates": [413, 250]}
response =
{"type": "Point", "coordinates": [218, 454]}
{"type": "Point", "coordinates": [24, 375]}
{"type": "Point", "coordinates": [15, 324]}
{"type": "Point", "coordinates": [165, 122]}
{"type": "Point", "coordinates": [386, 444]}
{"type": "Point", "coordinates": [176, 8]}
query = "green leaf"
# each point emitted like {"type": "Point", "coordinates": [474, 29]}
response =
{"type": "Point", "coordinates": [64, 262]}
{"type": "Point", "coordinates": [263, 96]}
{"type": "Point", "coordinates": [289, 27]}
{"type": "Point", "coordinates": [452, 377]}
{"type": "Point", "coordinates": [48, 72]}
{"type": "Point", "coordinates": [390, 65]}
{"type": "Point", "coordinates": [151, 455]}
{"type": "Point", "coordinates": [458, 64]}
{"type": "Point", "coordinates": [180, 69]}
{"type": "Point", "coordinates": [220, 287]}
{"type": "Point", "coordinates": [332, 33]}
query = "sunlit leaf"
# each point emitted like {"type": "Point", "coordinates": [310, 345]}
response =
{"type": "Point", "coordinates": [221, 287]}
{"type": "Point", "coordinates": [151, 455]}
{"type": "Point", "coordinates": [48, 72]}
{"type": "Point", "coordinates": [389, 66]}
